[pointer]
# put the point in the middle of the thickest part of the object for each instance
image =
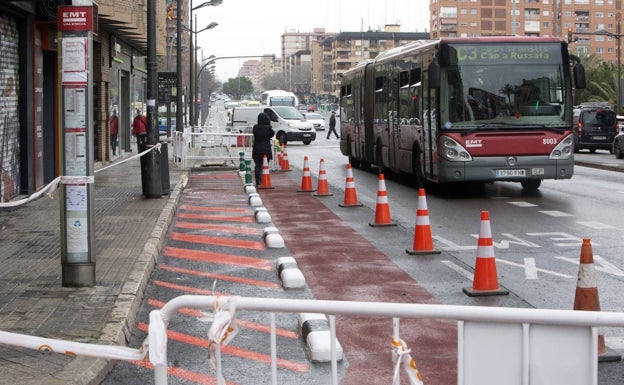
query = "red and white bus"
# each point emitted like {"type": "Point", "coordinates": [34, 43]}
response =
{"type": "Point", "coordinates": [478, 109]}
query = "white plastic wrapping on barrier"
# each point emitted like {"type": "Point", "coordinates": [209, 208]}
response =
{"type": "Point", "coordinates": [289, 273]}
{"type": "Point", "coordinates": [314, 329]}
{"type": "Point", "coordinates": [157, 339]}
{"type": "Point", "coordinates": [272, 238]}
{"type": "Point", "coordinates": [250, 189]}
{"type": "Point", "coordinates": [262, 215]}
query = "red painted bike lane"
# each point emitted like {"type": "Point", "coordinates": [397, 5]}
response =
{"type": "Point", "coordinates": [339, 264]}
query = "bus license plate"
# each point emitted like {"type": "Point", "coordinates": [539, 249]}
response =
{"type": "Point", "coordinates": [307, 135]}
{"type": "Point", "coordinates": [599, 138]}
{"type": "Point", "coordinates": [510, 173]}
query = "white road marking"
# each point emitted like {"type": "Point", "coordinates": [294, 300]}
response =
{"type": "Point", "coordinates": [600, 264]}
{"type": "Point", "coordinates": [460, 270]}
{"type": "Point", "coordinates": [555, 213]}
{"type": "Point", "coordinates": [531, 270]}
{"type": "Point", "coordinates": [597, 225]}
{"type": "Point", "coordinates": [523, 204]}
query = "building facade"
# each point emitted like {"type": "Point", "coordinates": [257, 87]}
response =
{"type": "Point", "coordinates": [30, 124]}
{"type": "Point", "coordinates": [596, 23]}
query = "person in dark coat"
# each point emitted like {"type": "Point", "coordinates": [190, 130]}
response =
{"type": "Point", "coordinates": [332, 125]}
{"type": "Point", "coordinates": [262, 134]}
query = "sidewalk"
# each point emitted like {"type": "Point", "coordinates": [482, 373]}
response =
{"type": "Point", "coordinates": [129, 231]}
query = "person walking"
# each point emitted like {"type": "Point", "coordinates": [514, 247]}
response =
{"type": "Point", "coordinates": [139, 130]}
{"type": "Point", "coordinates": [332, 125]}
{"type": "Point", "coordinates": [262, 134]}
{"type": "Point", "coordinates": [113, 125]}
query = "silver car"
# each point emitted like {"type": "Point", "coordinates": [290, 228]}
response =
{"type": "Point", "coordinates": [316, 119]}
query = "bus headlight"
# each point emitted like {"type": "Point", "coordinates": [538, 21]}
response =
{"type": "Point", "coordinates": [453, 151]}
{"type": "Point", "coordinates": [563, 150]}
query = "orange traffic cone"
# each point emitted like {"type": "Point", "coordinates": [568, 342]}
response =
{"type": "Point", "coordinates": [285, 164]}
{"type": "Point", "coordinates": [265, 182]}
{"type": "Point", "coordinates": [423, 242]}
{"type": "Point", "coordinates": [485, 277]}
{"type": "Point", "coordinates": [586, 297]}
{"type": "Point", "coordinates": [306, 179]}
{"type": "Point", "coordinates": [382, 210]}
{"type": "Point", "coordinates": [350, 195]}
{"type": "Point", "coordinates": [322, 187]}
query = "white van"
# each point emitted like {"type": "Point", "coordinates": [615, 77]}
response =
{"type": "Point", "coordinates": [289, 124]}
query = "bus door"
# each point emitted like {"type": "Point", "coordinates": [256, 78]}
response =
{"type": "Point", "coordinates": [430, 129]}
{"type": "Point", "coordinates": [394, 128]}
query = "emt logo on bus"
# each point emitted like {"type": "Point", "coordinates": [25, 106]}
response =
{"type": "Point", "coordinates": [474, 143]}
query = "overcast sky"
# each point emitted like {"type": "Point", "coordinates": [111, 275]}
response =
{"type": "Point", "coordinates": [254, 27]}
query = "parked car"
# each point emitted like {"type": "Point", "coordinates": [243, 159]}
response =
{"type": "Point", "coordinates": [618, 142]}
{"type": "Point", "coordinates": [595, 127]}
{"type": "Point", "coordinates": [316, 119]}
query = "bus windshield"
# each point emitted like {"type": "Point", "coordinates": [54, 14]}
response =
{"type": "Point", "coordinates": [481, 91]}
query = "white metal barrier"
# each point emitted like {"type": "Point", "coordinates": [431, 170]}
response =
{"type": "Point", "coordinates": [495, 345]}
{"type": "Point", "coordinates": [191, 149]}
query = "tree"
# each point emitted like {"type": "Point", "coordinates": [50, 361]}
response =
{"type": "Point", "coordinates": [238, 86]}
{"type": "Point", "coordinates": [601, 81]}
{"type": "Point", "coordinates": [274, 81]}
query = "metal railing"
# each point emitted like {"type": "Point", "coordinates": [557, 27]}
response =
{"type": "Point", "coordinates": [523, 346]}
{"type": "Point", "coordinates": [208, 147]}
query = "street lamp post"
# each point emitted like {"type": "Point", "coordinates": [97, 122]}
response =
{"type": "Point", "coordinates": [193, 54]}
{"type": "Point", "coordinates": [193, 64]}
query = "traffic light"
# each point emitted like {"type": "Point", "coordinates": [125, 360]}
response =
{"type": "Point", "coordinates": [170, 11]}
{"type": "Point", "coordinates": [571, 37]}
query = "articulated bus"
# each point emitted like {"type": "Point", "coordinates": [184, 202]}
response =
{"type": "Point", "coordinates": [479, 109]}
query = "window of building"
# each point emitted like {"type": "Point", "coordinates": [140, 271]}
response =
{"type": "Point", "coordinates": [463, 11]}
{"type": "Point", "coordinates": [474, 24]}
{"type": "Point", "coordinates": [600, 15]}
{"type": "Point", "coordinates": [599, 50]}
{"type": "Point", "coordinates": [473, 11]}
{"type": "Point", "coordinates": [448, 12]}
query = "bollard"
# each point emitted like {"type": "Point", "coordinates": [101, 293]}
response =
{"type": "Point", "coordinates": [248, 171]}
{"type": "Point", "coordinates": [241, 156]}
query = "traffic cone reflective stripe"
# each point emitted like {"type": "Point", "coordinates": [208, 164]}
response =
{"type": "Point", "coordinates": [322, 187]}
{"type": "Point", "coordinates": [586, 297]}
{"type": "Point", "coordinates": [306, 179]}
{"type": "Point", "coordinates": [265, 182]}
{"type": "Point", "coordinates": [382, 210]}
{"type": "Point", "coordinates": [285, 164]}
{"type": "Point", "coordinates": [350, 195]}
{"type": "Point", "coordinates": [485, 280]}
{"type": "Point", "coordinates": [423, 241]}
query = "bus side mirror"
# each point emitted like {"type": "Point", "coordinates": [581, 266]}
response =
{"type": "Point", "coordinates": [434, 74]}
{"type": "Point", "coordinates": [579, 76]}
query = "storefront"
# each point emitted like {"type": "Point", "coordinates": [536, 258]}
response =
{"type": "Point", "coordinates": [127, 89]}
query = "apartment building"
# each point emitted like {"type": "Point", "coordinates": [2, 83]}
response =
{"type": "Point", "coordinates": [596, 23]}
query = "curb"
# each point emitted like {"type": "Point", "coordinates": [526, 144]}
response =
{"type": "Point", "coordinates": [92, 371]}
